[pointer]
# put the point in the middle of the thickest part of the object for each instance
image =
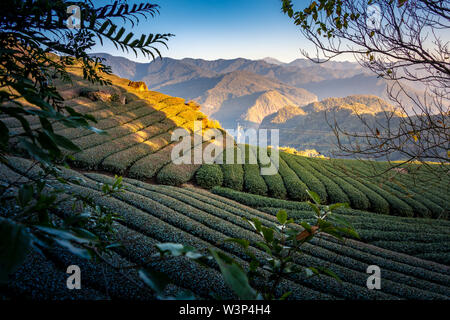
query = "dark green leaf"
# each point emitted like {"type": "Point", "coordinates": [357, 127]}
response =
{"type": "Point", "coordinates": [156, 280]}
{"type": "Point", "coordinates": [338, 205]}
{"type": "Point", "coordinates": [234, 276]}
{"type": "Point", "coordinates": [15, 242]}
{"type": "Point", "coordinates": [314, 207]}
{"type": "Point", "coordinates": [80, 252]}
{"type": "Point", "coordinates": [313, 196]}
{"type": "Point", "coordinates": [63, 234]}
{"type": "Point", "coordinates": [268, 234]}
{"type": "Point", "coordinates": [264, 246]}
{"type": "Point", "coordinates": [177, 249]}
{"type": "Point", "coordinates": [63, 142]}
{"type": "Point", "coordinates": [330, 273]}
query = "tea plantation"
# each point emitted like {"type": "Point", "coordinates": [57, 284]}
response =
{"type": "Point", "coordinates": [137, 143]}
{"type": "Point", "coordinates": [402, 218]}
{"type": "Point", "coordinates": [157, 213]}
{"type": "Point", "coordinates": [362, 184]}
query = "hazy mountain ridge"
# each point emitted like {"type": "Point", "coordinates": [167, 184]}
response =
{"type": "Point", "coordinates": [298, 73]}
{"type": "Point", "coordinates": [245, 96]}
{"type": "Point", "coordinates": [359, 84]}
{"type": "Point", "coordinates": [293, 73]}
{"type": "Point", "coordinates": [230, 91]}
{"type": "Point", "coordinates": [160, 72]}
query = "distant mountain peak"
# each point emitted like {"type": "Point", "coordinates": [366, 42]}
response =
{"type": "Point", "coordinates": [358, 104]}
{"type": "Point", "coordinates": [272, 61]}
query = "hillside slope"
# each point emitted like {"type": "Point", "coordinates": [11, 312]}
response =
{"type": "Point", "coordinates": [364, 185]}
{"type": "Point", "coordinates": [394, 223]}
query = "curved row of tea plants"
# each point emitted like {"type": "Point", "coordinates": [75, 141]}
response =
{"type": "Point", "coordinates": [413, 236]}
{"type": "Point", "coordinates": [335, 181]}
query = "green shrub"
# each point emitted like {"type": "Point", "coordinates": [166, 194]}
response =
{"type": "Point", "coordinates": [176, 174]}
{"type": "Point", "coordinates": [157, 213]}
{"type": "Point", "coordinates": [420, 210]}
{"type": "Point", "coordinates": [435, 205]}
{"type": "Point", "coordinates": [334, 192]}
{"type": "Point", "coordinates": [377, 203]}
{"type": "Point", "coordinates": [253, 182]}
{"type": "Point", "coordinates": [375, 235]}
{"type": "Point", "coordinates": [413, 248]}
{"type": "Point", "coordinates": [209, 176]}
{"type": "Point", "coordinates": [358, 200]}
{"type": "Point", "coordinates": [133, 146]}
{"type": "Point", "coordinates": [274, 182]}
{"type": "Point", "coordinates": [233, 174]}
{"type": "Point", "coordinates": [135, 116]}
{"type": "Point", "coordinates": [103, 123]}
{"type": "Point", "coordinates": [257, 201]}
{"type": "Point", "coordinates": [275, 186]}
{"type": "Point", "coordinates": [121, 160]}
{"type": "Point", "coordinates": [208, 227]}
{"type": "Point", "coordinates": [295, 188]}
{"type": "Point", "coordinates": [439, 257]}
{"type": "Point", "coordinates": [397, 206]}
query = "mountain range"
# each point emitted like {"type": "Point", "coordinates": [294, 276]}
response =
{"type": "Point", "coordinates": [245, 91]}
{"type": "Point", "coordinates": [292, 97]}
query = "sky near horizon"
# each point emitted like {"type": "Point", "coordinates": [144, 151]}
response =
{"type": "Point", "coordinates": [221, 29]}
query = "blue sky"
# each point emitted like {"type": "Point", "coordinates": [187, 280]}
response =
{"type": "Point", "coordinates": [213, 29]}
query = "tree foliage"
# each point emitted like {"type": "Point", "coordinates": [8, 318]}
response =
{"type": "Point", "coordinates": [39, 41]}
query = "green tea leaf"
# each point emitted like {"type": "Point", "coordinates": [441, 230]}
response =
{"type": "Point", "coordinates": [282, 216]}
{"type": "Point", "coordinates": [234, 276]}
{"type": "Point", "coordinates": [242, 242]}
{"type": "Point", "coordinates": [313, 196]}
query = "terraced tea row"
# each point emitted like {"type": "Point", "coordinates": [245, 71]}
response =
{"type": "Point", "coordinates": [337, 181]}
{"type": "Point", "coordinates": [424, 238]}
